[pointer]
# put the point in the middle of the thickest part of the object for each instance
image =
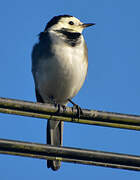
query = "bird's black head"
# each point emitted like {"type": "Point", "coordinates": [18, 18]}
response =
{"type": "Point", "coordinates": [55, 20]}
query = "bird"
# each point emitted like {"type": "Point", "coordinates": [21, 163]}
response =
{"type": "Point", "coordinates": [59, 68]}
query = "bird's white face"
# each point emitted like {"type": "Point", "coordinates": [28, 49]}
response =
{"type": "Point", "coordinates": [71, 23]}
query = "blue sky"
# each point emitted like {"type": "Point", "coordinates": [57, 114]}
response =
{"type": "Point", "coordinates": [112, 83]}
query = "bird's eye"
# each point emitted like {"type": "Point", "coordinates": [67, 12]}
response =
{"type": "Point", "coordinates": [71, 22]}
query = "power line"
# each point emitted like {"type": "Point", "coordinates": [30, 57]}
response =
{"type": "Point", "coordinates": [48, 111]}
{"type": "Point", "coordinates": [73, 155]}
{"type": "Point", "coordinates": [66, 154]}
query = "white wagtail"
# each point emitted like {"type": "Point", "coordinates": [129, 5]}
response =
{"type": "Point", "coordinates": [59, 67]}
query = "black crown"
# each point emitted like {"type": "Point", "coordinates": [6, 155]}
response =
{"type": "Point", "coordinates": [55, 20]}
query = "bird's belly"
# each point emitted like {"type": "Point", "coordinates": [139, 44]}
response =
{"type": "Point", "coordinates": [61, 78]}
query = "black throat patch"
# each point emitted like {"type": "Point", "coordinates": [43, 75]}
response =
{"type": "Point", "coordinates": [72, 38]}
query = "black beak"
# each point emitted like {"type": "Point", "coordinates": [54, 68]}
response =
{"type": "Point", "coordinates": [84, 25]}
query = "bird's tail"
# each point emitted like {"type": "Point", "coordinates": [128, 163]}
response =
{"type": "Point", "coordinates": [54, 137]}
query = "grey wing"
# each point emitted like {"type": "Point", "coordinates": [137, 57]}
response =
{"type": "Point", "coordinates": [40, 50]}
{"type": "Point", "coordinates": [35, 64]}
{"type": "Point", "coordinates": [86, 52]}
{"type": "Point", "coordinates": [86, 55]}
{"type": "Point", "coordinates": [35, 58]}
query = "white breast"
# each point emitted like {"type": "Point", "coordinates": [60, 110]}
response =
{"type": "Point", "coordinates": [63, 74]}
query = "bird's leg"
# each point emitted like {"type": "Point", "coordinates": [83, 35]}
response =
{"type": "Point", "coordinates": [61, 106]}
{"type": "Point", "coordinates": [79, 110]}
{"type": "Point", "coordinates": [64, 108]}
{"type": "Point", "coordinates": [57, 105]}
{"type": "Point", "coordinates": [51, 98]}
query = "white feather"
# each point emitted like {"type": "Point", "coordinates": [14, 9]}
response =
{"type": "Point", "coordinates": [63, 74]}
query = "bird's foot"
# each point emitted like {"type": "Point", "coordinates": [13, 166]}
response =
{"type": "Point", "coordinates": [61, 108]}
{"type": "Point", "coordinates": [78, 108]}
